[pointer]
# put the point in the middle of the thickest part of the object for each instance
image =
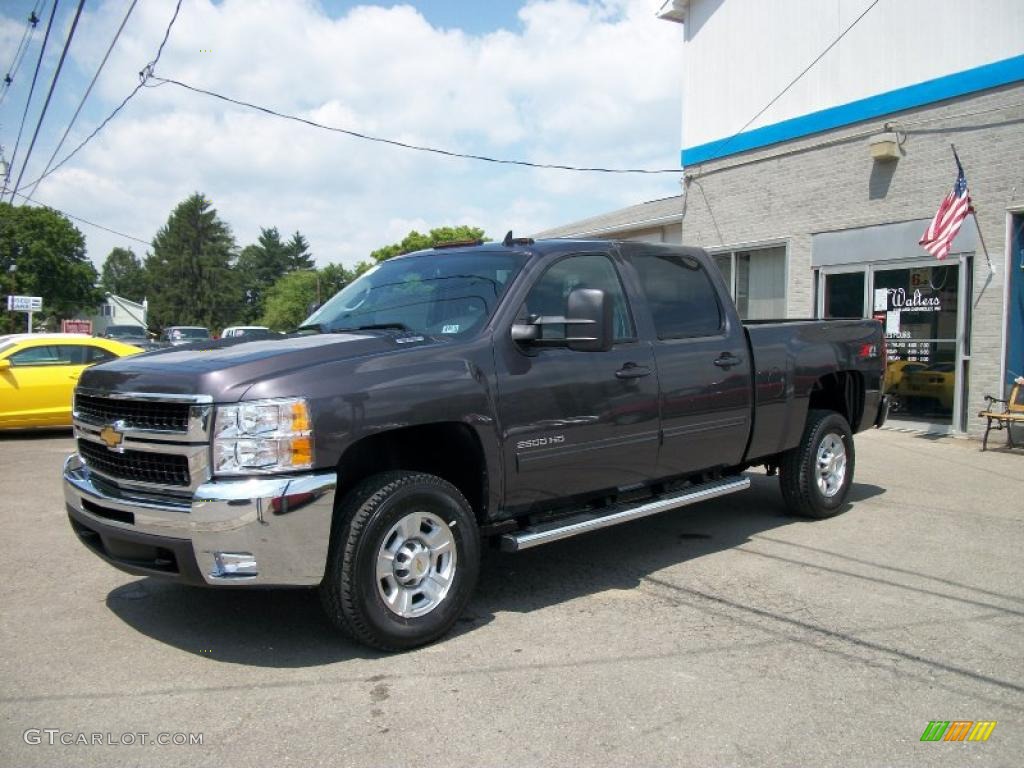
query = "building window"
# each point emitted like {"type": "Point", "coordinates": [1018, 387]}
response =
{"type": "Point", "coordinates": [757, 281]}
{"type": "Point", "coordinates": [107, 310]}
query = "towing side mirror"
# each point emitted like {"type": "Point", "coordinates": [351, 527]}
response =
{"type": "Point", "coordinates": [588, 326]}
{"type": "Point", "coordinates": [587, 322]}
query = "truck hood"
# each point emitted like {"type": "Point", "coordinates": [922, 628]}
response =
{"type": "Point", "coordinates": [227, 368]}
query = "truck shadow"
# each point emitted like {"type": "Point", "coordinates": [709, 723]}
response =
{"type": "Point", "coordinates": [287, 628]}
{"type": "Point", "coordinates": [618, 558]}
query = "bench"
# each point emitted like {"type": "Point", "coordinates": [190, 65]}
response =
{"type": "Point", "coordinates": [1009, 413]}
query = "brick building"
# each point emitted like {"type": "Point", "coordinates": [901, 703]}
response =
{"type": "Point", "coordinates": [814, 206]}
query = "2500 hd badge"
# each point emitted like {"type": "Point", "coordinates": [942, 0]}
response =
{"type": "Point", "coordinates": [537, 442]}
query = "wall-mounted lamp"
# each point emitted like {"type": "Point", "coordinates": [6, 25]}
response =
{"type": "Point", "coordinates": [885, 147]}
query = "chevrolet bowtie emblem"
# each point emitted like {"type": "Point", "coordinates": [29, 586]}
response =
{"type": "Point", "coordinates": [111, 437]}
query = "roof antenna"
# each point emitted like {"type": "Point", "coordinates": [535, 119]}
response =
{"type": "Point", "coordinates": [509, 240]}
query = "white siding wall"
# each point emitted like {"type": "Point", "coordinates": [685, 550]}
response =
{"type": "Point", "coordinates": [741, 53]}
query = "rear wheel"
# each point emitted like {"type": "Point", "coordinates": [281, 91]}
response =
{"type": "Point", "coordinates": [816, 475]}
{"type": "Point", "coordinates": [404, 559]}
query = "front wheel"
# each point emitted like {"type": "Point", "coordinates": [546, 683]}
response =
{"type": "Point", "coordinates": [404, 558]}
{"type": "Point", "coordinates": [816, 475]}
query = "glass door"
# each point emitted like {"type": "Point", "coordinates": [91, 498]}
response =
{"type": "Point", "coordinates": [927, 324]}
{"type": "Point", "coordinates": [920, 307]}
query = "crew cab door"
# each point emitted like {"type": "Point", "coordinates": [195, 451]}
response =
{"type": "Point", "coordinates": [702, 356]}
{"type": "Point", "coordinates": [574, 422]}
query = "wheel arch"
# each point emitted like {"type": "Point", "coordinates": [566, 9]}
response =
{"type": "Point", "coordinates": [842, 392]}
{"type": "Point", "coordinates": [450, 450]}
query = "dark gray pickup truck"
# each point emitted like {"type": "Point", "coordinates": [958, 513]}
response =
{"type": "Point", "coordinates": [517, 393]}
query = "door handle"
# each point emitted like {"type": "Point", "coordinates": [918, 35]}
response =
{"type": "Point", "coordinates": [727, 360]}
{"type": "Point", "coordinates": [632, 371]}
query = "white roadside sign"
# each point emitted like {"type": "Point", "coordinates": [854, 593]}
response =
{"type": "Point", "coordinates": [25, 303]}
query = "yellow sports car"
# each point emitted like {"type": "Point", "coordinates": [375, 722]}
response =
{"type": "Point", "coordinates": [38, 373]}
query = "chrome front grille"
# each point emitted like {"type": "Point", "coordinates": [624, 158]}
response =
{"type": "Point", "coordinates": [148, 442]}
{"type": "Point", "coordinates": [136, 466]}
{"type": "Point", "coordinates": [136, 414]}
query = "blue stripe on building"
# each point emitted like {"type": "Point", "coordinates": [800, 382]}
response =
{"type": "Point", "coordinates": [930, 91]}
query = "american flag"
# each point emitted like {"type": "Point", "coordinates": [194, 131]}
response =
{"type": "Point", "coordinates": [938, 238]}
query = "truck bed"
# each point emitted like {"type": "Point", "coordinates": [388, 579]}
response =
{"type": "Point", "coordinates": [790, 356]}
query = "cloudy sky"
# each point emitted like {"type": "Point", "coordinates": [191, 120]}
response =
{"type": "Point", "coordinates": [578, 82]}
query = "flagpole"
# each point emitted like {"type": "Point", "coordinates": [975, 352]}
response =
{"type": "Point", "coordinates": [981, 239]}
{"type": "Point", "coordinates": [974, 213]}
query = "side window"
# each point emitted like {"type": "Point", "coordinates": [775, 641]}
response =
{"type": "Point", "coordinates": [97, 355]}
{"type": "Point", "coordinates": [42, 355]}
{"type": "Point", "coordinates": [681, 297]}
{"type": "Point", "coordinates": [549, 295]}
{"type": "Point", "coordinates": [73, 354]}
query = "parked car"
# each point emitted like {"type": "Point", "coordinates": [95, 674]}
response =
{"type": "Point", "coordinates": [135, 335]}
{"type": "Point", "coordinates": [516, 392]}
{"type": "Point", "coordinates": [933, 384]}
{"type": "Point", "coordinates": [249, 332]}
{"type": "Point", "coordinates": [176, 335]}
{"type": "Point", "coordinates": [895, 370]}
{"type": "Point", "coordinates": [38, 373]}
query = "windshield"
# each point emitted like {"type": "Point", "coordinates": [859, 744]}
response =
{"type": "Point", "coordinates": [125, 332]}
{"type": "Point", "coordinates": [449, 294]}
{"type": "Point", "coordinates": [188, 333]}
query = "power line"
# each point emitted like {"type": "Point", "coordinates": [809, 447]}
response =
{"type": "Point", "coordinates": [84, 221]}
{"type": "Point", "coordinates": [19, 54]}
{"type": "Point", "coordinates": [49, 94]}
{"type": "Point", "coordinates": [85, 96]}
{"type": "Point", "coordinates": [719, 148]}
{"type": "Point", "coordinates": [144, 76]}
{"type": "Point", "coordinates": [405, 145]}
{"type": "Point", "coordinates": [32, 88]}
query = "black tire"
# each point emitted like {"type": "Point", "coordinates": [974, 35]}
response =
{"type": "Point", "coordinates": [351, 592]}
{"type": "Point", "coordinates": [799, 471]}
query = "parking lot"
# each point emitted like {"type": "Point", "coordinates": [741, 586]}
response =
{"type": "Point", "coordinates": [725, 634]}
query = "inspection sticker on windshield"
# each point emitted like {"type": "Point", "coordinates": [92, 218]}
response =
{"type": "Point", "coordinates": [450, 329]}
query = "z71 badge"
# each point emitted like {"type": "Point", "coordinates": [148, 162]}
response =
{"type": "Point", "coordinates": [537, 442]}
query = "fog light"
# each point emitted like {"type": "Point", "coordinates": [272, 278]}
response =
{"type": "Point", "coordinates": [233, 564]}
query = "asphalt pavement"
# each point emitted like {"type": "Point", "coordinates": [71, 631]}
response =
{"type": "Point", "coordinates": [723, 634]}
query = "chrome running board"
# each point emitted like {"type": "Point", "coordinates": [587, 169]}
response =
{"type": "Point", "coordinates": [619, 513]}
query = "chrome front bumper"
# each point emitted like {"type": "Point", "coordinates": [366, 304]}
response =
{"type": "Point", "coordinates": [260, 531]}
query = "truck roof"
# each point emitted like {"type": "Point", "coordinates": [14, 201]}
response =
{"type": "Point", "coordinates": [517, 245]}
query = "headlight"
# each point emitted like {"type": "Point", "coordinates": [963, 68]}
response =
{"type": "Point", "coordinates": [262, 436]}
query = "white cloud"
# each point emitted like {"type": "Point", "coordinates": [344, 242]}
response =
{"type": "Point", "coordinates": [581, 83]}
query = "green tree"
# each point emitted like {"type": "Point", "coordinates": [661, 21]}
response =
{"type": "Point", "coordinates": [289, 300]}
{"type": "Point", "coordinates": [190, 269]}
{"type": "Point", "coordinates": [43, 254]}
{"type": "Point", "coordinates": [299, 256]}
{"type": "Point", "coordinates": [333, 278]}
{"type": "Point", "coordinates": [260, 265]}
{"type": "Point", "coordinates": [122, 274]}
{"type": "Point", "coordinates": [416, 241]}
